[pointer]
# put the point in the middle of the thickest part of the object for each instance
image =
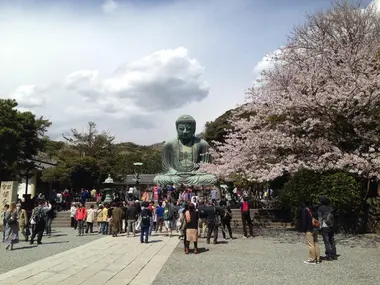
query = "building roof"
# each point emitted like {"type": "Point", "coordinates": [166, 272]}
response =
{"type": "Point", "coordinates": [40, 165]}
{"type": "Point", "coordinates": [144, 179]}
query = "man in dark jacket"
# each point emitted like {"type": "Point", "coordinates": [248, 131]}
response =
{"type": "Point", "coordinates": [212, 218]}
{"type": "Point", "coordinates": [146, 216]}
{"type": "Point", "coordinates": [326, 220]}
{"type": "Point", "coordinates": [311, 234]}
{"type": "Point", "coordinates": [131, 216]}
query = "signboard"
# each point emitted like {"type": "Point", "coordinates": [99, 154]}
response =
{"type": "Point", "coordinates": [8, 192]}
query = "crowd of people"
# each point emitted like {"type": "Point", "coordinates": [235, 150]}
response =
{"type": "Point", "coordinates": [191, 219]}
{"type": "Point", "coordinates": [15, 221]}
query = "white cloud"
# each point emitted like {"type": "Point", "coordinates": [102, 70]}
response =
{"type": "Point", "coordinates": [163, 80]}
{"type": "Point", "coordinates": [265, 64]}
{"type": "Point", "coordinates": [29, 96]}
{"type": "Point", "coordinates": [110, 6]}
{"type": "Point", "coordinates": [74, 47]}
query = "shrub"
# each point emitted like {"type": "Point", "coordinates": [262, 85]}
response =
{"type": "Point", "coordinates": [341, 188]}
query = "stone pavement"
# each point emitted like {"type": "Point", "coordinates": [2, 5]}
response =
{"type": "Point", "coordinates": [272, 257]}
{"type": "Point", "coordinates": [107, 260]}
{"type": "Point", "coordinates": [62, 239]}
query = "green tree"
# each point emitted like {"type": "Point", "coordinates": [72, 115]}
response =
{"type": "Point", "coordinates": [20, 137]}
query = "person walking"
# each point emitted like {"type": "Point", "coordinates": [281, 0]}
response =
{"type": "Point", "coordinates": [80, 217]}
{"type": "Point", "coordinates": [38, 220]}
{"type": "Point", "coordinates": [22, 220]}
{"type": "Point", "coordinates": [246, 217]}
{"type": "Point", "coordinates": [225, 218]}
{"type": "Point", "coordinates": [5, 209]}
{"type": "Point", "coordinates": [11, 233]}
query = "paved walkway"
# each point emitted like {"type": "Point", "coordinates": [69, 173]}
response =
{"type": "Point", "coordinates": [23, 254]}
{"type": "Point", "coordinates": [107, 260]}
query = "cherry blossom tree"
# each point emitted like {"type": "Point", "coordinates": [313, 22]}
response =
{"type": "Point", "coordinates": [318, 107]}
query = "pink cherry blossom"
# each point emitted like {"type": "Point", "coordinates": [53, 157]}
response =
{"type": "Point", "coordinates": [318, 107]}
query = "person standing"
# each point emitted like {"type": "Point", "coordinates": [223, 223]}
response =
{"type": "Point", "coordinates": [131, 216]}
{"type": "Point", "coordinates": [11, 232]}
{"type": "Point", "coordinates": [73, 211]}
{"type": "Point", "coordinates": [117, 216]}
{"type": "Point", "coordinates": [326, 219]}
{"type": "Point", "coordinates": [38, 220]}
{"type": "Point", "coordinates": [105, 220]}
{"type": "Point", "coordinates": [90, 219]}
{"type": "Point", "coordinates": [49, 219]}
{"type": "Point", "coordinates": [99, 218]}
{"type": "Point", "coordinates": [212, 223]}
{"type": "Point", "coordinates": [214, 196]}
{"type": "Point", "coordinates": [146, 216]}
{"type": "Point", "coordinates": [191, 216]}
{"type": "Point", "coordinates": [22, 220]}
{"type": "Point", "coordinates": [80, 217]}
{"type": "Point", "coordinates": [309, 227]}
{"type": "Point", "coordinates": [168, 218]}
{"type": "Point", "coordinates": [5, 209]}
{"type": "Point", "coordinates": [246, 217]}
{"type": "Point", "coordinates": [160, 217]}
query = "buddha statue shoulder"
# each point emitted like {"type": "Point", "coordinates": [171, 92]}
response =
{"type": "Point", "coordinates": [182, 156]}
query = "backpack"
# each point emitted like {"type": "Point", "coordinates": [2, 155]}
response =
{"type": "Point", "coordinates": [245, 207]}
{"type": "Point", "coordinates": [315, 223]}
{"type": "Point", "coordinates": [145, 219]}
{"type": "Point", "coordinates": [39, 216]}
{"type": "Point", "coordinates": [330, 220]}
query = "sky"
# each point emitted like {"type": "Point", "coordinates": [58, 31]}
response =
{"type": "Point", "coordinates": [134, 66]}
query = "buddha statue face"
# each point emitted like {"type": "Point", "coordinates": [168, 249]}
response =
{"type": "Point", "coordinates": [185, 131]}
{"type": "Point", "coordinates": [185, 128]}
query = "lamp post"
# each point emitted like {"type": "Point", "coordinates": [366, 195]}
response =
{"type": "Point", "coordinates": [137, 166]}
{"type": "Point", "coordinates": [108, 189]}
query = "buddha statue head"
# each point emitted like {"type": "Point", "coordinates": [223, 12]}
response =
{"type": "Point", "coordinates": [185, 126]}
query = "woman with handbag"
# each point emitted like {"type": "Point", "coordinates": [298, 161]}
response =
{"type": "Point", "coordinates": [11, 234]}
{"type": "Point", "coordinates": [191, 217]}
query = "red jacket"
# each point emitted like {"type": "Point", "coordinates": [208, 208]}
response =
{"type": "Point", "coordinates": [81, 214]}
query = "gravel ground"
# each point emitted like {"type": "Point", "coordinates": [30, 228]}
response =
{"type": "Point", "coordinates": [62, 239]}
{"type": "Point", "coordinates": [290, 236]}
{"type": "Point", "coordinates": [273, 257]}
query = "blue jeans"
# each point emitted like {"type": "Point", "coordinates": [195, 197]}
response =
{"type": "Point", "coordinates": [104, 228]}
{"type": "Point", "coordinates": [144, 230]}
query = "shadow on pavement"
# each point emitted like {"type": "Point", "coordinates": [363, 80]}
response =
{"type": "Point", "coordinates": [154, 241]}
{"type": "Point", "coordinates": [55, 242]}
{"type": "Point", "coordinates": [201, 250]}
{"type": "Point", "coordinates": [23, 247]}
